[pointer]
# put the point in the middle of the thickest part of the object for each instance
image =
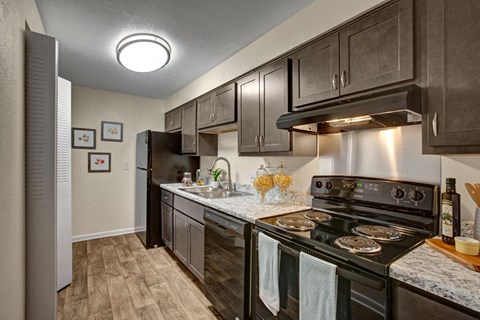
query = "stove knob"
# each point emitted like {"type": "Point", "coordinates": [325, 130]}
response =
{"type": "Point", "coordinates": [329, 185]}
{"type": "Point", "coordinates": [416, 195]}
{"type": "Point", "coordinates": [318, 184]}
{"type": "Point", "coordinates": [397, 193]}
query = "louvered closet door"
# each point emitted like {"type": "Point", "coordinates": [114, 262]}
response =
{"type": "Point", "coordinates": [64, 184]}
{"type": "Point", "coordinates": [40, 189]}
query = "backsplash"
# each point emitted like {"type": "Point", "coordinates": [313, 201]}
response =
{"type": "Point", "coordinates": [392, 153]}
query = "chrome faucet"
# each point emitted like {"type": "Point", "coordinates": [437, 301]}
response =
{"type": "Point", "coordinates": [230, 186]}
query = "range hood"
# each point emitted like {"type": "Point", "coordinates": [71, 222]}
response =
{"type": "Point", "coordinates": [389, 108]}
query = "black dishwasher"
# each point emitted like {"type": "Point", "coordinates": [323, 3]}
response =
{"type": "Point", "coordinates": [227, 264]}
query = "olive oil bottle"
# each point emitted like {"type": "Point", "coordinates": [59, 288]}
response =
{"type": "Point", "coordinates": [450, 213]}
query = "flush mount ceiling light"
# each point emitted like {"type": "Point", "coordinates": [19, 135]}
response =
{"type": "Point", "coordinates": [143, 52]}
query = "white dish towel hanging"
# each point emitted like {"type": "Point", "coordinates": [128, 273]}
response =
{"type": "Point", "coordinates": [317, 288]}
{"type": "Point", "coordinates": [268, 272]}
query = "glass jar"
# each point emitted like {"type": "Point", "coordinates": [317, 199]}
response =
{"type": "Point", "coordinates": [263, 181]}
{"type": "Point", "coordinates": [282, 178]}
{"type": "Point", "coordinates": [187, 179]}
{"type": "Point", "coordinates": [201, 177]}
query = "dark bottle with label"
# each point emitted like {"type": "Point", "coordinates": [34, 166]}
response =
{"type": "Point", "coordinates": [450, 213]}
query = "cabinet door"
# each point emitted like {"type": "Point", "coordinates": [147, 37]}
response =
{"type": "Point", "coordinates": [453, 73]}
{"type": "Point", "coordinates": [315, 72]}
{"type": "Point", "coordinates": [205, 111]}
{"type": "Point", "coordinates": [225, 105]}
{"type": "Point", "coordinates": [196, 248]}
{"type": "Point", "coordinates": [413, 305]}
{"type": "Point", "coordinates": [189, 128]}
{"type": "Point", "coordinates": [167, 225]}
{"type": "Point", "coordinates": [377, 50]}
{"type": "Point", "coordinates": [180, 236]}
{"type": "Point", "coordinates": [274, 101]}
{"type": "Point", "coordinates": [248, 103]}
{"type": "Point", "coordinates": [173, 120]}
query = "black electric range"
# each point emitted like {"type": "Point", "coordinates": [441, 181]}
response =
{"type": "Point", "coordinates": [359, 224]}
{"type": "Point", "coordinates": [410, 209]}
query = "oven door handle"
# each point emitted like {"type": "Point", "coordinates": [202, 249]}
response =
{"type": "Point", "coordinates": [352, 276]}
{"type": "Point", "coordinates": [348, 275]}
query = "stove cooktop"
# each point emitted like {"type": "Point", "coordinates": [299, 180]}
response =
{"type": "Point", "coordinates": [413, 220]}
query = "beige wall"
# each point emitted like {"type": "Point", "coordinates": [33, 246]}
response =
{"type": "Point", "coordinates": [315, 19]}
{"type": "Point", "coordinates": [13, 14]}
{"type": "Point", "coordinates": [104, 202]}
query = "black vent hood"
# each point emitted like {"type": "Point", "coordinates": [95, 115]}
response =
{"type": "Point", "coordinates": [389, 108]}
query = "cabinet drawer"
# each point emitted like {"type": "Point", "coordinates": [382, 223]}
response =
{"type": "Point", "coordinates": [167, 197]}
{"type": "Point", "coordinates": [189, 208]}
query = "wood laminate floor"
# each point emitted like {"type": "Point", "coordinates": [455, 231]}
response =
{"type": "Point", "coordinates": [117, 278]}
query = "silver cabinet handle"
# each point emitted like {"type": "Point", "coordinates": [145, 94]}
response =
{"type": "Point", "coordinates": [262, 141]}
{"type": "Point", "coordinates": [213, 117]}
{"type": "Point", "coordinates": [434, 124]}
{"type": "Point", "coordinates": [256, 141]}
{"type": "Point", "coordinates": [193, 142]}
{"type": "Point", "coordinates": [334, 82]}
{"type": "Point", "coordinates": [343, 78]}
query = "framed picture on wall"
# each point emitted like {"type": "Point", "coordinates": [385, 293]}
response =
{"type": "Point", "coordinates": [112, 131]}
{"type": "Point", "coordinates": [83, 138]}
{"type": "Point", "coordinates": [99, 162]}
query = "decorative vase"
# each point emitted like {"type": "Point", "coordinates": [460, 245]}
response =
{"type": "Point", "coordinates": [214, 184]}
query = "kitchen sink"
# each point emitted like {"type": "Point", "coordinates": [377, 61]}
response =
{"type": "Point", "coordinates": [212, 193]}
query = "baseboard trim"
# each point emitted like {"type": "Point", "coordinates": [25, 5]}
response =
{"type": "Point", "coordinates": [102, 234]}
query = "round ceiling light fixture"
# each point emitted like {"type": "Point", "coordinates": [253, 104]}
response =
{"type": "Point", "coordinates": [143, 52]}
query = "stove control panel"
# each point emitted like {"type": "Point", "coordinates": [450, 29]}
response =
{"type": "Point", "coordinates": [408, 195]}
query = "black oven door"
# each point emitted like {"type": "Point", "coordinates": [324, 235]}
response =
{"type": "Point", "coordinates": [360, 295]}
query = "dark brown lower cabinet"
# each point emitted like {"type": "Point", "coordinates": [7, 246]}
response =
{"type": "Point", "coordinates": [180, 236]}
{"type": "Point", "coordinates": [188, 243]}
{"type": "Point", "coordinates": [196, 248]}
{"type": "Point", "coordinates": [167, 225]}
{"type": "Point", "coordinates": [409, 303]}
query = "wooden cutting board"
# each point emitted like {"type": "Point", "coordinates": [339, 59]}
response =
{"type": "Point", "coordinates": [470, 262]}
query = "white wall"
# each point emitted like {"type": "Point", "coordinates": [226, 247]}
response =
{"type": "Point", "coordinates": [13, 15]}
{"type": "Point", "coordinates": [315, 19]}
{"type": "Point", "coordinates": [104, 202]}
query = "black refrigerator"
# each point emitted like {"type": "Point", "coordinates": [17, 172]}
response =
{"type": "Point", "coordinates": [159, 160]}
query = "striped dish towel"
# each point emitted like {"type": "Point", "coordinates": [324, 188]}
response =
{"type": "Point", "coordinates": [268, 270]}
{"type": "Point", "coordinates": [318, 288]}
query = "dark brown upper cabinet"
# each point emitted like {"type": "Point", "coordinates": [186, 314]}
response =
{"type": "Point", "coordinates": [195, 143]}
{"type": "Point", "coordinates": [315, 72]}
{"type": "Point", "coordinates": [217, 108]}
{"type": "Point", "coordinates": [173, 120]}
{"type": "Point", "coordinates": [262, 97]}
{"type": "Point", "coordinates": [189, 127]}
{"type": "Point", "coordinates": [452, 123]}
{"type": "Point", "coordinates": [375, 51]}
{"type": "Point", "coordinates": [205, 111]}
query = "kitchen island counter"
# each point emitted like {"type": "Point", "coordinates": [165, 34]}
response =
{"type": "Point", "coordinates": [247, 208]}
{"type": "Point", "coordinates": [433, 272]}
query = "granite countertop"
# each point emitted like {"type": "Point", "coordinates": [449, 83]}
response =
{"type": "Point", "coordinates": [435, 273]}
{"type": "Point", "coordinates": [247, 208]}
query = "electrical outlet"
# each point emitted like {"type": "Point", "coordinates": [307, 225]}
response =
{"type": "Point", "coordinates": [126, 166]}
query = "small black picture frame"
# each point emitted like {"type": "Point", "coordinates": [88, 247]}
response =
{"type": "Point", "coordinates": [83, 138]}
{"type": "Point", "coordinates": [99, 162]}
{"type": "Point", "coordinates": [112, 131]}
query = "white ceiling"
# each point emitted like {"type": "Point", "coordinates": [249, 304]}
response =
{"type": "Point", "coordinates": [202, 34]}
